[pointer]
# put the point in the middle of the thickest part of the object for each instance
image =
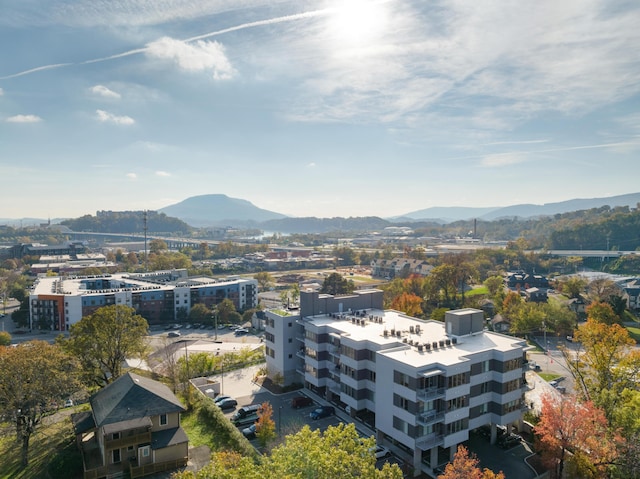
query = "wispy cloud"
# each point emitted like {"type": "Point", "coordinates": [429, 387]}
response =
{"type": "Point", "coordinates": [106, 117]}
{"type": "Point", "coordinates": [311, 165]}
{"type": "Point", "coordinates": [132, 176]}
{"type": "Point", "coordinates": [199, 56]}
{"type": "Point", "coordinates": [502, 159]}
{"type": "Point", "coordinates": [105, 92]}
{"type": "Point", "coordinates": [24, 119]}
{"type": "Point", "coordinates": [1, 92]}
{"type": "Point", "coordinates": [163, 173]}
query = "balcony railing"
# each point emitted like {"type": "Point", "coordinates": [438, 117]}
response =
{"type": "Point", "coordinates": [430, 417]}
{"type": "Point", "coordinates": [124, 441]}
{"type": "Point", "coordinates": [427, 442]}
{"type": "Point", "coordinates": [430, 393]}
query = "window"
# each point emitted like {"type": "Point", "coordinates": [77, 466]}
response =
{"type": "Point", "coordinates": [144, 451]}
{"type": "Point", "coordinates": [115, 435]}
{"type": "Point", "coordinates": [290, 356]}
{"type": "Point", "coordinates": [290, 340]}
{"type": "Point", "coordinates": [115, 456]}
{"type": "Point", "coordinates": [290, 324]}
{"type": "Point", "coordinates": [163, 419]}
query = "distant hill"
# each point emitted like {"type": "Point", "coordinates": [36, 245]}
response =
{"type": "Point", "coordinates": [211, 210]}
{"type": "Point", "coordinates": [454, 213]}
{"type": "Point", "coordinates": [126, 222]}
{"type": "Point", "coordinates": [325, 225]}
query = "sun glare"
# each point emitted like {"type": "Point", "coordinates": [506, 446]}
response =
{"type": "Point", "coordinates": [358, 21]}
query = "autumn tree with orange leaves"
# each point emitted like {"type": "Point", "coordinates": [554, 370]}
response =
{"type": "Point", "coordinates": [576, 432]}
{"type": "Point", "coordinates": [465, 466]}
{"type": "Point", "coordinates": [408, 303]}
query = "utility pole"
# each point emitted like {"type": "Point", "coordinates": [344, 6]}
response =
{"type": "Point", "coordinates": [144, 219]}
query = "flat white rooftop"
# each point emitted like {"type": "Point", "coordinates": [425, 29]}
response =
{"type": "Point", "coordinates": [414, 332]}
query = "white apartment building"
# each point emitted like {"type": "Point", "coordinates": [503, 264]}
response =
{"type": "Point", "coordinates": [426, 383]}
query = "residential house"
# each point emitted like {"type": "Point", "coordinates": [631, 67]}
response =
{"type": "Point", "coordinates": [133, 429]}
{"type": "Point", "coordinates": [399, 268]}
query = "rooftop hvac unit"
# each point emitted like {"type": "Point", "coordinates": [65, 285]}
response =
{"type": "Point", "coordinates": [434, 345]}
{"type": "Point", "coordinates": [448, 342]}
{"type": "Point", "coordinates": [427, 346]}
{"type": "Point", "coordinates": [398, 333]}
{"type": "Point", "coordinates": [420, 347]}
{"type": "Point", "coordinates": [454, 340]}
{"type": "Point", "coordinates": [441, 342]}
{"type": "Point", "coordinates": [411, 329]}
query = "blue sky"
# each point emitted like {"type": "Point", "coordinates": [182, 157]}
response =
{"type": "Point", "coordinates": [325, 108]}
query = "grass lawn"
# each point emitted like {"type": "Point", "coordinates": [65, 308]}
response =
{"type": "Point", "coordinates": [634, 332]}
{"type": "Point", "coordinates": [479, 291]}
{"type": "Point", "coordinates": [549, 376]}
{"type": "Point", "coordinates": [199, 433]}
{"type": "Point", "coordinates": [52, 452]}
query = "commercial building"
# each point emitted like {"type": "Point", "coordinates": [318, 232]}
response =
{"type": "Point", "coordinates": [160, 297]}
{"type": "Point", "coordinates": [423, 384]}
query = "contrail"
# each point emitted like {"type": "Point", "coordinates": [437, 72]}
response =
{"type": "Point", "coordinates": [258, 23]}
{"type": "Point", "coordinates": [632, 141]}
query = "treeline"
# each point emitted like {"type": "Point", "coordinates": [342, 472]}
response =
{"type": "Point", "coordinates": [127, 222]}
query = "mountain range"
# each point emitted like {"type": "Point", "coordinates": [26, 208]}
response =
{"type": "Point", "coordinates": [217, 209]}
{"type": "Point", "coordinates": [222, 210]}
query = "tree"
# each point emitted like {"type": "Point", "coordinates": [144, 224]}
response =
{"type": "Point", "coordinates": [338, 452]}
{"type": "Point", "coordinates": [200, 314]}
{"type": "Point", "coordinates": [33, 377]}
{"type": "Point", "coordinates": [573, 286]}
{"type": "Point", "coordinates": [103, 340]}
{"type": "Point", "coordinates": [265, 426]}
{"type": "Point", "coordinates": [601, 289]}
{"type": "Point", "coordinates": [605, 365]}
{"type": "Point", "coordinates": [465, 466]}
{"type": "Point", "coordinates": [224, 309]}
{"type": "Point", "coordinates": [264, 279]}
{"type": "Point", "coordinates": [335, 284]}
{"type": "Point", "coordinates": [602, 313]}
{"type": "Point", "coordinates": [409, 304]}
{"type": "Point", "coordinates": [494, 284]}
{"type": "Point", "coordinates": [295, 293]}
{"type": "Point", "coordinates": [568, 425]}
{"type": "Point", "coordinates": [157, 246]}
{"type": "Point", "coordinates": [5, 338]}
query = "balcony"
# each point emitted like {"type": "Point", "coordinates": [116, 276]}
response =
{"type": "Point", "coordinates": [430, 393]}
{"type": "Point", "coordinates": [300, 353]}
{"type": "Point", "coordinates": [133, 439]}
{"type": "Point", "coordinates": [429, 441]}
{"type": "Point", "coordinates": [429, 417]}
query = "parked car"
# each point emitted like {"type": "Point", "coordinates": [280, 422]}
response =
{"type": "Point", "coordinates": [228, 403]}
{"type": "Point", "coordinates": [301, 401]}
{"type": "Point", "coordinates": [173, 334]}
{"type": "Point", "coordinates": [249, 432]}
{"type": "Point", "coordinates": [508, 441]}
{"type": "Point", "coordinates": [322, 411]}
{"type": "Point", "coordinates": [68, 403]}
{"type": "Point", "coordinates": [241, 332]}
{"type": "Point", "coordinates": [220, 398]}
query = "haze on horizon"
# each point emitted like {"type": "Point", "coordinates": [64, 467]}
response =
{"type": "Point", "coordinates": [330, 108]}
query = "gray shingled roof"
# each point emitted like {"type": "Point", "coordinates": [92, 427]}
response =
{"type": "Point", "coordinates": [132, 397]}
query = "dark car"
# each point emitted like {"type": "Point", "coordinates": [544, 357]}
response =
{"type": "Point", "coordinates": [322, 411]}
{"type": "Point", "coordinates": [249, 432]}
{"type": "Point", "coordinates": [228, 403]}
{"type": "Point", "coordinates": [508, 441]}
{"type": "Point", "coordinates": [301, 401]}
